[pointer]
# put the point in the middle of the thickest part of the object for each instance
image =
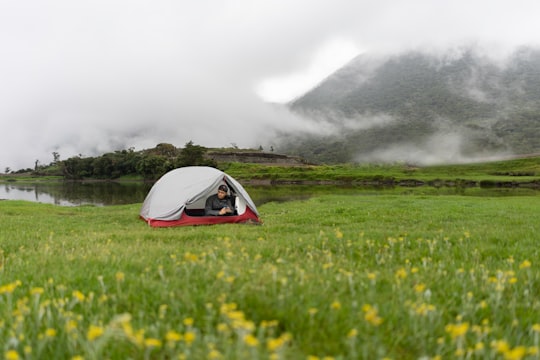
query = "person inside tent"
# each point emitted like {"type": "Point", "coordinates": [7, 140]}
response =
{"type": "Point", "coordinates": [219, 204]}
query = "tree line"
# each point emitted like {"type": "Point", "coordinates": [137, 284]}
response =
{"type": "Point", "coordinates": [150, 164]}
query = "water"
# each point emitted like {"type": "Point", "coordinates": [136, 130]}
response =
{"type": "Point", "coordinates": [77, 193]}
{"type": "Point", "coordinates": [112, 193]}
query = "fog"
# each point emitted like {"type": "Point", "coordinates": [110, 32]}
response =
{"type": "Point", "coordinates": [442, 147]}
{"type": "Point", "coordinates": [87, 77]}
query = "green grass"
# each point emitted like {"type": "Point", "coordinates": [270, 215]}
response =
{"type": "Point", "coordinates": [514, 170]}
{"type": "Point", "coordinates": [339, 276]}
{"type": "Point", "coordinates": [525, 169]}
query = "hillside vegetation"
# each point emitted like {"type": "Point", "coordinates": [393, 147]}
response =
{"type": "Point", "coordinates": [512, 172]}
{"type": "Point", "coordinates": [515, 172]}
{"type": "Point", "coordinates": [424, 108]}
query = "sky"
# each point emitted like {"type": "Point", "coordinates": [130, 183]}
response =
{"type": "Point", "coordinates": [88, 77]}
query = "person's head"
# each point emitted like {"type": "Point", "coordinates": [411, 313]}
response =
{"type": "Point", "coordinates": [222, 191]}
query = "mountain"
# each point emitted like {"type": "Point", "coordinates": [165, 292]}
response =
{"type": "Point", "coordinates": [423, 108]}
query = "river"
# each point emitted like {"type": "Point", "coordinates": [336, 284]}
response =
{"type": "Point", "coordinates": [114, 193]}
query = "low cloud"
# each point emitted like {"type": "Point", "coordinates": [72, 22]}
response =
{"type": "Point", "coordinates": [88, 77]}
{"type": "Point", "coordinates": [443, 147]}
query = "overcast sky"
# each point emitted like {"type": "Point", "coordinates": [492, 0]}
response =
{"type": "Point", "coordinates": [87, 77]}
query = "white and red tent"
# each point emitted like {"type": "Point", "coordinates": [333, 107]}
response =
{"type": "Point", "coordinates": [179, 196]}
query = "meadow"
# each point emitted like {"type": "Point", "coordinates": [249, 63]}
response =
{"type": "Point", "coordinates": [332, 277]}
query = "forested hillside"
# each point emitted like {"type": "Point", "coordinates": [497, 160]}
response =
{"type": "Point", "coordinates": [423, 108]}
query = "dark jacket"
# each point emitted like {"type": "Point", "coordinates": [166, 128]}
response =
{"type": "Point", "coordinates": [215, 204]}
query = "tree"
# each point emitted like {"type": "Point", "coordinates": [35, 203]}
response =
{"type": "Point", "coordinates": [165, 149]}
{"type": "Point", "coordinates": [193, 155]}
{"type": "Point", "coordinates": [8, 170]}
{"type": "Point", "coordinates": [103, 166]}
{"type": "Point", "coordinates": [77, 167]}
{"type": "Point", "coordinates": [152, 166]}
{"type": "Point", "coordinates": [56, 157]}
{"type": "Point", "coordinates": [126, 161]}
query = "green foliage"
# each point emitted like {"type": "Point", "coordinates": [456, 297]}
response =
{"type": "Point", "coordinates": [347, 277]}
{"type": "Point", "coordinates": [514, 170]}
{"type": "Point", "coordinates": [193, 155]}
{"type": "Point", "coordinates": [150, 163]}
{"type": "Point", "coordinates": [491, 108]}
{"type": "Point", "coordinates": [152, 166]}
{"type": "Point", "coordinates": [77, 167]}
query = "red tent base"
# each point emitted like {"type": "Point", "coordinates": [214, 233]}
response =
{"type": "Point", "coordinates": [186, 220]}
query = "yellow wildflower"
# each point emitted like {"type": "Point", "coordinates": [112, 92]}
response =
{"type": "Point", "coordinates": [401, 273]}
{"type": "Point", "coordinates": [188, 321]}
{"type": "Point", "coordinates": [222, 327]}
{"type": "Point", "coordinates": [500, 346]}
{"type": "Point", "coordinates": [78, 295]}
{"type": "Point", "coordinates": [50, 332]}
{"type": "Point", "coordinates": [214, 354]}
{"type": "Point", "coordinates": [371, 275]}
{"type": "Point", "coordinates": [8, 288]}
{"type": "Point", "coordinates": [457, 330]}
{"type": "Point", "coordinates": [525, 264]}
{"type": "Point", "coordinates": [94, 332]}
{"type": "Point", "coordinates": [371, 315]}
{"type": "Point", "coordinates": [173, 336]}
{"type": "Point", "coordinates": [152, 343]}
{"type": "Point", "coordinates": [190, 257]}
{"type": "Point", "coordinates": [275, 344]}
{"type": "Point", "coordinates": [536, 328]}
{"type": "Point", "coordinates": [11, 355]}
{"type": "Point", "coordinates": [120, 276]}
{"type": "Point", "coordinates": [235, 315]}
{"type": "Point", "coordinates": [516, 353]}
{"type": "Point", "coordinates": [37, 291]}
{"type": "Point", "coordinates": [336, 305]}
{"type": "Point", "coordinates": [189, 337]}
{"type": "Point", "coordinates": [251, 340]}
{"type": "Point", "coordinates": [352, 333]}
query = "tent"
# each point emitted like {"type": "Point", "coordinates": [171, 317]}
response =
{"type": "Point", "coordinates": [179, 196]}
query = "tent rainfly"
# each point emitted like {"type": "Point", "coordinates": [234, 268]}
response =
{"type": "Point", "coordinates": [178, 198]}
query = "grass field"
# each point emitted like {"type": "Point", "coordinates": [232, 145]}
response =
{"type": "Point", "coordinates": [332, 277]}
{"type": "Point", "coordinates": [512, 170]}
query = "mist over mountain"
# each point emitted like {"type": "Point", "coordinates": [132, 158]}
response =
{"type": "Point", "coordinates": [459, 106]}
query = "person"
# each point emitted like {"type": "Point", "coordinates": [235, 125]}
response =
{"type": "Point", "coordinates": [219, 204]}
